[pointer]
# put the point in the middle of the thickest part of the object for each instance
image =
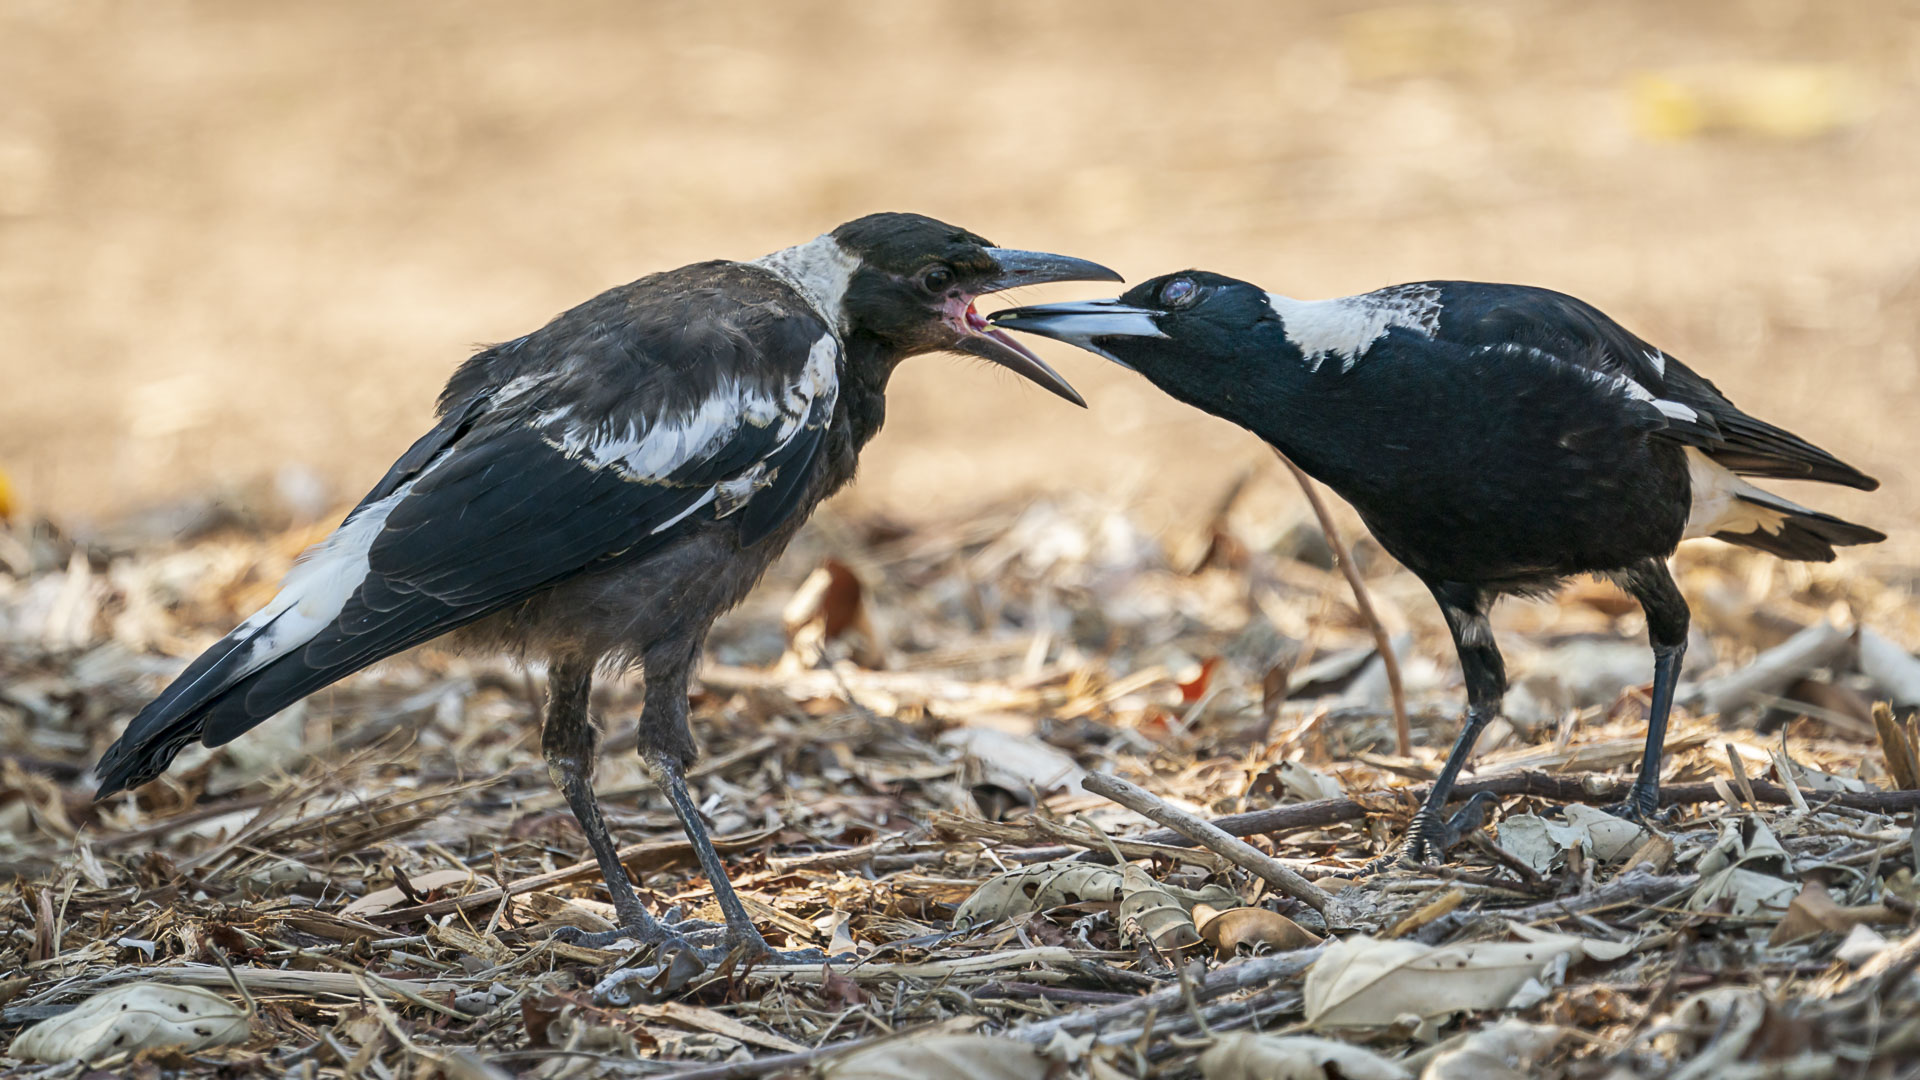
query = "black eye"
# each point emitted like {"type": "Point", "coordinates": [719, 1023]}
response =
{"type": "Point", "coordinates": [937, 280]}
{"type": "Point", "coordinates": [1178, 293]}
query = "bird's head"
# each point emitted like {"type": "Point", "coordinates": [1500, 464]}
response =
{"type": "Point", "coordinates": [909, 283]}
{"type": "Point", "coordinates": [1184, 331]}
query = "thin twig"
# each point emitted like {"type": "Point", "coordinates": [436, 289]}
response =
{"type": "Point", "coordinates": [1342, 558]}
{"type": "Point", "coordinates": [1200, 831]}
{"type": "Point", "coordinates": [1588, 788]}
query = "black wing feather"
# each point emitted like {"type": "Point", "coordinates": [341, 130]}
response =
{"type": "Point", "coordinates": [1478, 314]}
{"type": "Point", "coordinates": [495, 504]}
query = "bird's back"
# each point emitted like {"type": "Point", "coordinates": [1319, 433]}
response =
{"type": "Point", "coordinates": [694, 401]}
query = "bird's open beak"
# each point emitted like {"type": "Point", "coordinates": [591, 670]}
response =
{"type": "Point", "coordinates": [1083, 323]}
{"type": "Point", "coordinates": [1017, 268]}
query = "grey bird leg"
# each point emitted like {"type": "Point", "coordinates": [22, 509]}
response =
{"type": "Point", "coordinates": [1431, 834]}
{"type": "Point", "coordinates": [1667, 619]}
{"type": "Point", "coordinates": [569, 741]}
{"type": "Point", "coordinates": [666, 748]}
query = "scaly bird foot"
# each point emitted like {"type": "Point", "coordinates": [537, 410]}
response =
{"type": "Point", "coordinates": [676, 963]}
{"type": "Point", "coordinates": [1428, 838]}
{"type": "Point", "coordinates": [1642, 807]}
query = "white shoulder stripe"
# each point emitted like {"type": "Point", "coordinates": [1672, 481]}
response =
{"type": "Point", "coordinates": [653, 449]}
{"type": "Point", "coordinates": [1347, 327]}
{"type": "Point", "coordinates": [1617, 383]}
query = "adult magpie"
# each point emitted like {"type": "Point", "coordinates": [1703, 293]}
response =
{"type": "Point", "coordinates": [1496, 439]}
{"type": "Point", "coordinates": [597, 492]}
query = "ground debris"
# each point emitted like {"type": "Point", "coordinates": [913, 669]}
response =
{"type": "Point", "coordinates": [905, 768]}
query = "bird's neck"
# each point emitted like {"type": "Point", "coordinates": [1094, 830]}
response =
{"type": "Point", "coordinates": [1279, 398]}
{"type": "Point", "coordinates": [863, 386]}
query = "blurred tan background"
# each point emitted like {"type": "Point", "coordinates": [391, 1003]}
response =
{"type": "Point", "coordinates": [237, 237]}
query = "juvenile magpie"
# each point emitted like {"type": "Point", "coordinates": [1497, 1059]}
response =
{"type": "Point", "coordinates": [597, 492]}
{"type": "Point", "coordinates": [1496, 439]}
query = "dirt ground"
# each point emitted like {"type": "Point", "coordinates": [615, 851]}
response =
{"type": "Point", "coordinates": [237, 237]}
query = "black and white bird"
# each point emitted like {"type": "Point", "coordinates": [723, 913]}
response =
{"type": "Point", "coordinates": [597, 492]}
{"type": "Point", "coordinates": [1496, 439]}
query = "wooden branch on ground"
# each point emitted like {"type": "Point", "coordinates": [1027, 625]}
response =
{"type": "Point", "coordinates": [1244, 975]}
{"type": "Point", "coordinates": [1587, 788]}
{"type": "Point", "coordinates": [1632, 887]}
{"type": "Point", "coordinates": [1198, 830]}
{"type": "Point", "coordinates": [1342, 558]}
{"type": "Point", "coordinates": [580, 871]}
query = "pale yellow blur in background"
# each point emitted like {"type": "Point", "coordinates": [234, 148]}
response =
{"type": "Point", "coordinates": [238, 236]}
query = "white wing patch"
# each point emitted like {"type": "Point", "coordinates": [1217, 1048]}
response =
{"type": "Point", "coordinates": [1348, 327]}
{"type": "Point", "coordinates": [1724, 503]}
{"type": "Point", "coordinates": [668, 442]}
{"type": "Point", "coordinates": [818, 270]}
{"type": "Point", "coordinates": [1619, 384]}
{"type": "Point", "coordinates": [316, 590]}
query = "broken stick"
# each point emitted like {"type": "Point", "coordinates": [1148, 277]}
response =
{"type": "Point", "coordinates": [1209, 836]}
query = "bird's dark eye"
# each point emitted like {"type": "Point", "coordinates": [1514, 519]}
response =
{"type": "Point", "coordinates": [1178, 293]}
{"type": "Point", "coordinates": [937, 279]}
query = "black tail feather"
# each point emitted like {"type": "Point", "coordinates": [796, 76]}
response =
{"type": "Point", "coordinates": [1805, 535]}
{"type": "Point", "coordinates": [1754, 447]}
{"type": "Point", "coordinates": [175, 718]}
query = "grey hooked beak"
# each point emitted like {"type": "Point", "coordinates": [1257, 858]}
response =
{"type": "Point", "coordinates": [1083, 323]}
{"type": "Point", "coordinates": [1019, 268]}
{"type": "Point", "coordinates": [1025, 268]}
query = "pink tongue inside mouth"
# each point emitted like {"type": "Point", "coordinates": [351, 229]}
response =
{"type": "Point", "coordinates": [974, 321]}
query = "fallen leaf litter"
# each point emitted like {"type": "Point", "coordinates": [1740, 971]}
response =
{"type": "Point", "coordinates": [905, 733]}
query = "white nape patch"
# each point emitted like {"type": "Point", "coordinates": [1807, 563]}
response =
{"type": "Point", "coordinates": [1347, 327]}
{"type": "Point", "coordinates": [1724, 503]}
{"type": "Point", "coordinates": [818, 270]}
{"type": "Point", "coordinates": [316, 590]}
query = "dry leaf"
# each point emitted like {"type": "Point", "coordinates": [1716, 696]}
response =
{"type": "Point", "coordinates": [940, 1057]}
{"type": "Point", "coordinates": [1543, 844]}
{"type": "Point", "coordinates": [1726, 1017]}
{"type": "Point", "coordinates": [1020, 764]}
{"type": "Point", "coordinates": [830, 608]}
{"type": "Point", "coordinates": [1037, 888]}
{"type": "Point", "coordinates": [1146, 909]}
{"type": "Point", "coordinates": [1293, 1057]}
{"type": "Point", "coordinates": [1195, 688]}
{"type": "Point", "coordinates": [1305, 783]}
{"type": "Point", "coordinates": [1365, 982]}
{"type": "Point", "coordinates": [391, 897]}
{"type": "Point", "coordinates": [1746, 867]}
{"type": "Point", "coordinates": [1862, 945]}
{"type": "Point", "coordinates": [1815, 912]}
{"type": "Point", "coordinates": [135, 1017]}
{"type": "Point", "coordinates": [1256, 927]}
{"type": "Point", "coordinates": [1499, 1052]}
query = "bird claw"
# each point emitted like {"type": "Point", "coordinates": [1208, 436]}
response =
{"type": "Point", "coordinates": [676, 962]}
{"type": "Point", "coordinates": [1642, 807]}
{"type": "Point", "coordinates": [687, 933]}
{"type": "Point", "coordinates": [1428, 838]}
